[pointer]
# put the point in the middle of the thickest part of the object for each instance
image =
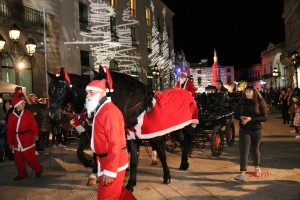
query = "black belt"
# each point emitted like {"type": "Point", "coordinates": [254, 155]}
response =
{"type": "Point", "coordinates": [22, 132]}
{"type": "Point", "coordinates": [105, 154]}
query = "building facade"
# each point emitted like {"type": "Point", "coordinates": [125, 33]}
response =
{"type": "Point", "coordinates": [291, 15]}
{"type": "Point", "coordinates": [270, 63]}
{"type": "Point", "coordinates": [64, 22]}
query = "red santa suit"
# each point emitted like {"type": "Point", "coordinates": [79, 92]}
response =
{"type": "Point", "coordinates": [21, 130]}
{"type": "Point", "coordinates": [109, 143]}
{"type": "Point", "coordinates": [188, 85]}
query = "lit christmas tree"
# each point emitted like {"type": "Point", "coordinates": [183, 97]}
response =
{"type": "Point", "coordinates": [100, 37]}
{"type": "Point", "coordinates": [154, 56]}
{"type": "Point", "coordinates": [125, 54]}
{"type": "Point", "coordinates": [104, 49]}
{"type": "Point", "coordinates": [166, 64]}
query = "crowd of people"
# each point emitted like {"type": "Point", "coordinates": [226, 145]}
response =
{"type": "Point", "coordinates": [289, 104]}
{"type": "Point", "coordinates": [25, 129]}
{"type": "Point", "coordinates": [47, 136]}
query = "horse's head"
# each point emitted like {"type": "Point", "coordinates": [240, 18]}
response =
{"type": "Point", "coordinates": [59, 93]}
{"type": "Point", "coordinates": [130, 95]}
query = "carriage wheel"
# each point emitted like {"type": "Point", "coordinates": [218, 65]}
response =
{"type": "Point", "coordinates": [199, 138]}
{"type": "Point", "coordinates": [230, 133]}
{"type": "Point", "coordinates": [170, 144]}
{"type": "Point", "coordinates": [217, 141]}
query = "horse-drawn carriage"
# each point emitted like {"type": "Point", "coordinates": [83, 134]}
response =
{"type": "Point", "coordinates": [215, 124]}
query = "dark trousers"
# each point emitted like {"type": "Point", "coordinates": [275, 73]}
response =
{"type": "Point", "coordinates": [284, 113]}
{"type": "Point", "coordinates": [64, 134]}
{"type": "Point", "coordinates": [249, 141]}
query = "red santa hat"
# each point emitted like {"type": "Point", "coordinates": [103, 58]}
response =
{"type": "Point", "coordinates": [58, 72]}
{"type": "Point", "coordinates": [97, 85]}
{"type": "Point", "coordinates": [16, 101]}
{"type": "Point", "coordinates": [185, 72]}
{"type": "Point", "coordinates": [109, 80]}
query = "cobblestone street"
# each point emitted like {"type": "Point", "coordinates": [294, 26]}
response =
{"type": "Point", "coordinates": [207, 178]}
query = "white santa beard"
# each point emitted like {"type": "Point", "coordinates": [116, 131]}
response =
{"type": "Point", "coordinates": [181, 80]}
{"type": "Point", "coordinates": [91, 104]}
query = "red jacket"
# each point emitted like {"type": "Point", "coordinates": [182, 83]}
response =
{"type": "Point", "coordinates": [21, 130]}
{"type": "Point", "coordinates": [108, 138]}
{"type": "Point", "coordinates": [188, 86]}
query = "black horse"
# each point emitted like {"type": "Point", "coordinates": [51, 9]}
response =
{"type": "Point", "coordinates": [62, 92]}
{"type": "Point", "coordinates": [130, 95]}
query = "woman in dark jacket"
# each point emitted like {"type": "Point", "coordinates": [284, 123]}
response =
{"type": "Point", "coordinates": [251, 112]}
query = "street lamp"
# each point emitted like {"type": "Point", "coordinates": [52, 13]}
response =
{"type": "Point", "coordinates": [17, 54]}
{"type": "Point", "coordinates": [155, 73]}
{"type": "Point", "coordinates": [2, 43]}
{"type": "Point", "coordinates": [14, 33]}
{"type": "Point", "coordinates": [275, 74]}
{"type": "Point", "coordinates": [295, 63]}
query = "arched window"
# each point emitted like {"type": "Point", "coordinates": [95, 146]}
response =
{"type": "Point", "coordinates": [17, 71]}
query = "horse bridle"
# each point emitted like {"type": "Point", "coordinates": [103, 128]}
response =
{"type": "Point", "coordinates": [133, 107]}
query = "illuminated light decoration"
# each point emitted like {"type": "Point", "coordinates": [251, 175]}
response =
{"type": "Point", "coordinates": [167, 64]}
{"type": "Point", "coordinates": [126, 54]}
{"type": "Point", "coordinates": [216, 75]}
{"type": "Point", "coordinates": [154, 56]}
{"type": "Point", "coordinates": [101, 45]}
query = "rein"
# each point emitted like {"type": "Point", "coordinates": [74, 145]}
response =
{"type": "Point", "coordinates": [136, 105]}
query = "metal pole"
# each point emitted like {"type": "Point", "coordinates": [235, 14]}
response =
{"type": "Point", "coordinates": [45, 47]}
{"type": "Point", "coordinates": [296, 71]}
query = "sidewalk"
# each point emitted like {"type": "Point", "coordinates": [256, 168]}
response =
{"type": "Point", "coordinates": [207, 178]}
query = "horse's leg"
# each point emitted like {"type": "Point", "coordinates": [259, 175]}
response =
{"type": "Point", "coordinates": [133, 146]}
{"type": "Point", "coordinates": [157, 144]}
{"type": "Point", "coordinates": [80, 154]}
{"type": "Point", "coordinates": [184, 165]}
{"type": "Point", "coordinates": [154, 160]}
{"type": "Point", "coordinates": [93, 176]}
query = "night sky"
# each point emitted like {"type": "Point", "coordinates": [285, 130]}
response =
{"type": "Point", "coordinates": [239, 29]}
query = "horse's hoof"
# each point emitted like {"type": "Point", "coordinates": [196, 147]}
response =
{"type": "Point", "coordinates": [129, 188]}
{"type": "Point", "coordinates": [184, 166]}
{"type": "Point", "coordinates": [167, 180]}
{"type": "Point", "coordinates": [92, 181]}
{"type": "Point", "coordinates": [154, 162]}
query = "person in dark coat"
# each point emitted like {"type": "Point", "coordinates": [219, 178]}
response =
{"type": "Point", "coordinates": [34, 107]}
{"type": "Point", "coordinates": [251, 113]}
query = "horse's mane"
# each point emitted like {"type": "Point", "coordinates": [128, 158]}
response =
{"type": "Point", "coordinates": [130, 95]}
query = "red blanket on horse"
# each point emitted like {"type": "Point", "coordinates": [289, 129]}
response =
{"type": "Point", "coordinates": [173, 110]}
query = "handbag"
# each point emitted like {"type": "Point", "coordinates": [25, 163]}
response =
{"type": "Point", "coordinates": [126, 195]}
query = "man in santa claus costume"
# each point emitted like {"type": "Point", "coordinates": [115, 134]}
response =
{"type": "Point", "coordinates": [108, 140]}
{"type": "Point", "coordinates": [188, 85]}
{"type": "Point", "coordinates": [22, 132]}
{"type": "Point", "coordinates": [185, 83]}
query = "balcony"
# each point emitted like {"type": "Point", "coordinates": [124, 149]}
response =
{"type": "Point", "coordinates": [25, 16]}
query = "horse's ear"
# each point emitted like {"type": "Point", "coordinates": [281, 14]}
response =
{"type": "Point", "coordinates": [95, 72]}
{"type": "Point", "coordinates": [51, 75]}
